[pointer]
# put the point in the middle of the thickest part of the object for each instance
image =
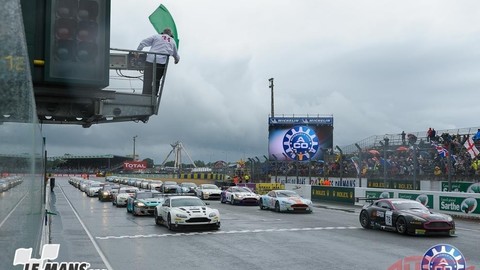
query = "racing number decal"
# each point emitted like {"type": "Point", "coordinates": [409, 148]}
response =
{"type": "Point", "coordinates": [388, 218]}
{"type": "Point", "coordinates": [166, 38]}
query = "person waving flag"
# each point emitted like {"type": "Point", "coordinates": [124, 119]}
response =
{"type": "Point", "coordinates": [471, 149]}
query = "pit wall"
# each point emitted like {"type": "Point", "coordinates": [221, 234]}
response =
{"type": "Point", "coordinates": [432, 185]}
{"type": "Point", "coordinates": [459, 204]}
{"type": "Point", "coordinates": [453, 203]}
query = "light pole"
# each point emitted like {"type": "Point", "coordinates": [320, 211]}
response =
{"type": "Point", "coordinates": [384, 161]}
{"type": "Point", "coordinates": [360, 164]}
{"type": "Point", "coordinates": [341, 162]}
{"type": "Point", "coordinates": [271, 87]}
{"type": "Point", "coordinates": [134, 137]}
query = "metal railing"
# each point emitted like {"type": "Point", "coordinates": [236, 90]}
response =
{"type": "Point", "coordinates": [155, 96]}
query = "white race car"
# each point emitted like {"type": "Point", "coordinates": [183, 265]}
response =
{"type": "Point", "coordinates": [208, 191]}
{"type": "Point", "coordinates": [123, 194]}
{"type": "Point", "coordinates": [285, 201]}
{"type": "Point", "coordinates": [239, 195]}
{"type": "Point", "coordinates": [186, 211]}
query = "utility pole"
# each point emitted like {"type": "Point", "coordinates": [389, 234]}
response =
{"type": "Point", "coordinates": [271, 87]}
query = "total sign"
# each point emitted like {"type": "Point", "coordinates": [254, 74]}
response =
{"type": "Point", "coordinates": [134, 165]}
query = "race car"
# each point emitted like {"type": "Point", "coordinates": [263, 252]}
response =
{"type": "Point", "coordinates": [106, 193]}
{"type": "Point", "coordinates": [120, 199]}
{"type": "Point", "coordinates": [143, 202]}
{"type": "Point", "coordinates": [239, 195]}
{"type": "Point", "coordinates": [405, 217]}
{"type": "Point", "coordinates": [186, 211]}
{"type": "Point", "coordinates": [92, 188]}
{"type": "Point", "coordinates": [285, 201]}
{"type": "Point", "coordinates": [208, 191]}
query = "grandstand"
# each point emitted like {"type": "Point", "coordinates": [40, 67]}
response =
{"type": "Point", "coordinates": [91, 164]}
{"type": "Point", "coordinates": [373, 142]}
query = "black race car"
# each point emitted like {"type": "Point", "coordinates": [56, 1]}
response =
{"type": "Point", "coordinates": [405, 217]}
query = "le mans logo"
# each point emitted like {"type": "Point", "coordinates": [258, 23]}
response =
{"type": "Point", "coordinates": [23, 256]}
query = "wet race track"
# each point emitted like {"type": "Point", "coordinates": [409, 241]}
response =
{"type": "Point", "coordinates": [108, 237]}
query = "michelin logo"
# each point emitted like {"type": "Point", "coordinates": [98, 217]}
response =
{"type": "Point", "coordinates": [23, 256]}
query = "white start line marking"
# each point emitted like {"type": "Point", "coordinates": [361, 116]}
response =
{"type": "Point", "coordinates": [223, 232]}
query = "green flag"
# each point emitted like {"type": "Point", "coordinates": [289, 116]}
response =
{"type": "Point", "coordinates": [161, 19]}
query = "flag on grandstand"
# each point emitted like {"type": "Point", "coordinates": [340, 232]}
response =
{"type": "Point", "coordinates": [442, 151]}
{"type": "Point", "coordinates": [355, 163]}
{"type": "Point", "coordinates": [161, 19]}
{"type": "Point", "coordinates": [471, 149]}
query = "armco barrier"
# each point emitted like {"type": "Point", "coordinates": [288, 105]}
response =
{"type": "Point", "coordinates": [466, 205]}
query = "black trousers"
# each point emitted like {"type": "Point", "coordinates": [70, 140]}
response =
{"type": "Point", "coordinates": [148, 77]}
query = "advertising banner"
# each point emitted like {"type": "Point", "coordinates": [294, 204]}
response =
{"type": "Point", "coordinates": [424, 199]}
{"type": "Point", "coordinates": [264, 188]}
{"type": "Point", "coordinates": [392, 184]}
{"type": "Point", "coordinates": [378, 194]}
{"type": "Point", "coordinates": [462, 187]}
{"type": "Point", "coordinates": [134, 165]}
{"type": "Point", "coordinates": [333, 194]}
{"type": "Point", "coordinates": [459, 204]}
{"type": "Point", "coordinates": [299, 138]}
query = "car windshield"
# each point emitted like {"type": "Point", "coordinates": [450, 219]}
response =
{"type": "Point", "coordinates": [187, 202]}
{"type": "Point", "coordinates": [407, 205]}
{"type": "Point", "coordinates": [209, 187]}
{"type": "Point", "coordinates": [144, 195]}
{"type": "Point", "coordinates": [240, 189]}
{"type": "Point", "coordinates": [128, 191]}
{"type": "Point", "coordinates": [287, 193]}
{"type": "Point", "coordinates": [189, 185]}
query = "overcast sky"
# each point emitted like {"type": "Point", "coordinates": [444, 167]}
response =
{"type": "Point", "coordinates": [377, 66]}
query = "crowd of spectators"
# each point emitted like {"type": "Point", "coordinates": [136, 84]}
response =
{"type": "Point", "coordinates": [397, 160]}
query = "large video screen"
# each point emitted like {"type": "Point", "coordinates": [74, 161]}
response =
{"type": "Point", "coordinates": [299, 138]}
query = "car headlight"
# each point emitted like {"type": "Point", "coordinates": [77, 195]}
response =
{"type": "Point", "coordinates": [238, 195]}
{"type": "Point", "coordinates": [181, 215]}
{"type": "Point", "coordinates": [206, 192]}
{"type": "Point", "coordinates": [415, 218]}
{"type": "Point", "coordinates": [286, 202]}
{"type": "Point", "coordinates": [140, 204]}
{"type": "Point", "coordinates": [213, 214]}
{"type": "Point", "coordinates": [449, 218]}
{"type": "Point", "coordinates": [105, 193]}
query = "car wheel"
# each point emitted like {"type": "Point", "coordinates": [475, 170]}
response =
{"type": "Point", "coordinates": [401, 225]}
{"type": "Point", "coordinates": [260, 203]}
{"type": "Point", "coordinates": [157, 219]}
{"type": "Point", "coordinates": [169, 223]}
{"type": "Point", "coordinates": [277, 207]}
{"type": "Point", "coordinates": [232, 200]}
{"type": "Point", "coordinates": [364, 219]}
